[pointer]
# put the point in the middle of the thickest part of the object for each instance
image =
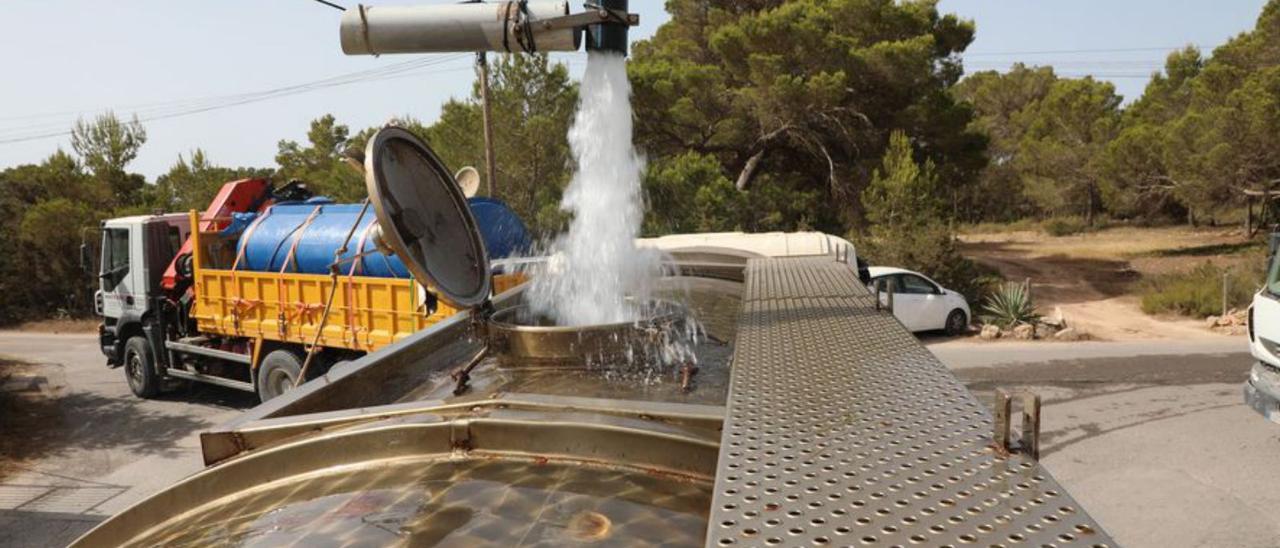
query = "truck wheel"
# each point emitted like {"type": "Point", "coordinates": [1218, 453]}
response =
{"type": "Point", "coordinates": [139, 368]}
{"type": "Point", "coordinates": [957, 322]}
{"type": "Point", "coordinates": [277, 373]}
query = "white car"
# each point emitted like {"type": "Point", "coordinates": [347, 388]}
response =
{"type": "Point", "coordinates": [920, 303]}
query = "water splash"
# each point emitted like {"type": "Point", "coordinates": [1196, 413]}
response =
{"type": "Point", "coordinates": [595, 273]}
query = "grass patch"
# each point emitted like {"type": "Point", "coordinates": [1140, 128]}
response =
{"type": "Point", "coordinates": [1021, 225]}
{"type": "Point", "coordinates": [1198, 292]}
{"type": "Point", "coordinates": [1066, 226]}
{"type": "Point", "coordinates": [1209, 250]}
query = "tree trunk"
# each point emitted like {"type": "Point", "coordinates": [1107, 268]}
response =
{"type": "Point", "coordinates": [749, 170]}
{"type": "Point", "coordinates": [1248, 220]}
{"type": "Point", "coordinates": [1088, 214]}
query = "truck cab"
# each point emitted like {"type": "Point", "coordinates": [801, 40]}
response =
{"type": "Point", "coordinates": [1262, 391]}
{"type": "Point", "coordinates": [135, 251]}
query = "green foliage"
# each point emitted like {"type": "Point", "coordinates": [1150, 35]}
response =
{"type": "Point", "coordinates": [1003, 104]}
{"type": "Point", "coordinates": [910, 227]}
{"type": "Point", "coordinates": [690, 193]}
{"type": "Point", "coordinates": [533, 102]}
{"type": "Point", "coordinates": [320, 163]}
{"type": "Point", "coordinates": [1065, 226]}
{"type": "Point", "coordinates": [1046, 134]}
{"type": "Point", "coordinates": [1010, 306]}
{"type": "Point", "coordinates": [903, 193]}
{"type": "Point", "coordinates": [1198, 292]}
{"type": "Point", "coordinates": [192, 184]}
{"type": "Point", "coordinates": [803, 95]}
{"type": "Point", "coordinates": [44, 210]}
{"type": "Point", "coordinates": [1070, 126]}
{"type": "Point", "coordinates": [1206, 127]}
{"type": "Point", "coordinates": [107, 145]}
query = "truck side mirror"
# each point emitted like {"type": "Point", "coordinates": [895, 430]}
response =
{"type": "Point", "coordinates": [86, 258]}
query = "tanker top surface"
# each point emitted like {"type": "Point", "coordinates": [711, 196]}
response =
{"type": "Point", "coordinates": [812, 418]}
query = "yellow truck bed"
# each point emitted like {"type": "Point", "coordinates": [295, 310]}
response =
{"type": "Point", "coordinates": [367, 313]}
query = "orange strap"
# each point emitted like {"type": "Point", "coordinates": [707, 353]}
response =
{"type": "Point", "coordinates": [238, 304]}
{"type": "Point", "coordinates": [291, 258]}
{"type": "Point", "coordinates": [351, 282]}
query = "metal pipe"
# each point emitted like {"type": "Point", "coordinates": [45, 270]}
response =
{"type": "Point", "coordinates": [482, 26]}
{"type": "Point", "coordinates": [610, 36]}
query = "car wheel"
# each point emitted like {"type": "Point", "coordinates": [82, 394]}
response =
{"type": "Point", "coordinates": [139, 368]}
{"type": "Point", "coordinates": [277, 373]}
{"type": "Point", "coordinates": [957, 322]}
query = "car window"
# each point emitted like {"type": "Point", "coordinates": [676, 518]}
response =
{"type": "Point", "coordinates": [884, 280]}
{"type": "Point", "coordinates": [916, 285]}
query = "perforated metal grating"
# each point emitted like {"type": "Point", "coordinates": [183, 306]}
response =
{"type": "Point", "coordinates": [844, 430]}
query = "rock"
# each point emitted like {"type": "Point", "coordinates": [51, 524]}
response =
{"type": "Point", "coordinates": [1211, 322]}
{"type": "Point", "coordinates": [1068, 334]}
{"type": "Point", "coordinates": [1057, 319]}
{"type": "Point", "coordinates": [1024, 332]}
{"type": "Point", "coordinates": [990, 332]}
{"type": "Point", "coordinates": [1045, 331]}
{"type": "Point", "coordinates": [1229, 321]}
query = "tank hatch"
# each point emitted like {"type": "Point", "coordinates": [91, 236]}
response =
{"type": "Point", "coordinates": [424, 217]}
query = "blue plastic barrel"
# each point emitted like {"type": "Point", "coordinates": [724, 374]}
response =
{"type": "Point", "coordinates": [265, 244]}
{"type": "Point", "coordinates": [504, 233]}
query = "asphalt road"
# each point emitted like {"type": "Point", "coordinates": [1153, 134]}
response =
{"type": "Point", "coordinates": [1152, 438]}
{"type": "Point", "coordinates": [78, 446]}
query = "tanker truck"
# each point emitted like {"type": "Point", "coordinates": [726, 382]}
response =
{"type": "Point", "coordinates": [264, 287]}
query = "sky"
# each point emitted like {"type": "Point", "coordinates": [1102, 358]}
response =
{"type": "Point", "coordinates": [237, 62]}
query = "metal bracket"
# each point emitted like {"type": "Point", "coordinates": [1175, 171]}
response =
{"type": "Point", "coordinates": [587, 18]}
{"type": "Point", "coordinates": [888, 286]}
{"type": "Point", "coordinates": [1029, 444]}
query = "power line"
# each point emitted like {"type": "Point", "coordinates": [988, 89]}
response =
{"type": "Point", "coordinates": [1072, 51]}
{"type": "Point", "coordinates": [142, 108]}
{"type": "Point", "coordinates": [173, 109]}
{"type": "Point", "coordinates": [332, 5]}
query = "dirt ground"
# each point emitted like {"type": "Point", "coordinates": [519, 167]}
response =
{"type": "Point", "coordinates": [1093, 277]}
{"type": "Point", "coordinates": [60, 326]}
{"type": "Point", "coordinates": [26, 416]}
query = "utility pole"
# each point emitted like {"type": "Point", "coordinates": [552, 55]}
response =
{"type": "Point", "coordinates": [490, 163]}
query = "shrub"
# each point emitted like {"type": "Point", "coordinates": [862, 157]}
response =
{"type": "Point", "coordinates": [932, 251]}
{"type": "Point", "coordinates": [1198, 292]}
{"type": "Point", "coordinates": [1010, 306]}
{"type": "Point", "coordinates": [1065, 226]}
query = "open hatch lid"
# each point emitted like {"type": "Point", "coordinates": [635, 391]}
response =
{"type": "Point", "coordinates": [425, 218]}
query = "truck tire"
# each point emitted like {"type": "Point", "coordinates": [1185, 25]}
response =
{"type": "Point", "coordinates": [277, 372]}
{"type": "Point", "coordinates": [139, 368]}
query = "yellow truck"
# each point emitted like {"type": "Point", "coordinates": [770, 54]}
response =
{"type": "Point", "coordinates": [263, 287]}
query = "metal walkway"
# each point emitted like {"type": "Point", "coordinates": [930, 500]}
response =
{"type": "Point", "coordinates": [843, 429]}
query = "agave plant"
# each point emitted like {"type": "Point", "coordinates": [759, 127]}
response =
{"type": "Point", "coordinates": [1010, 306]}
